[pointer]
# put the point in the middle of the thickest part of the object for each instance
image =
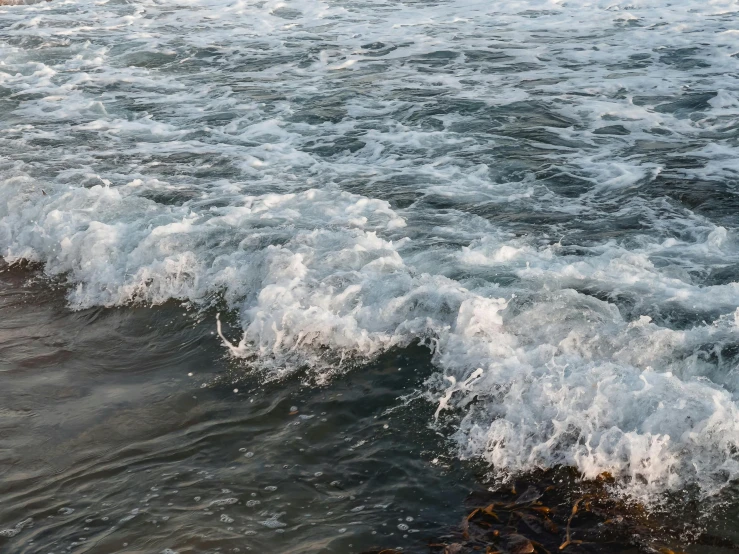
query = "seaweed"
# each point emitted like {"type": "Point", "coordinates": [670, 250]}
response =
{"type": "Point", "coordinates": [559, 512]}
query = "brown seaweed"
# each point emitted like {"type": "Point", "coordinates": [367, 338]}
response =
{"type": "Point", "coordinates": [559, 512]}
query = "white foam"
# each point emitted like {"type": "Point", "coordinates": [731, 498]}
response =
{"type": "Point", "coordinates": [254, 155]}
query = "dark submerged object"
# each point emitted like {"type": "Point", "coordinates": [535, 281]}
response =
{"type": "Point", "coordinates": [556, 511]}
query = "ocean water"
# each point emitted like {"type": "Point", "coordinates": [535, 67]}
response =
{"type": "Point", "coordinates": [528, 210]}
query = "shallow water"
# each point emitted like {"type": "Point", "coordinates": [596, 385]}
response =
{"type": "Point", "coordinates": [542, 193]}
{"type": "Point", "coordinates": [126, 430]}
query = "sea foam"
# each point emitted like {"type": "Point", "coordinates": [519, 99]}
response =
{"type": "Point", "coordinates": [541, 191]}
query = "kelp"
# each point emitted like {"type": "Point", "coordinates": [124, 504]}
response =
{"type": "Point", "coordinates": [558, 512]}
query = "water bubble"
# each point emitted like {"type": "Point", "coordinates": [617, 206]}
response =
{"type": "Point", "coordinates": [224, 502]}
{"type": "Point", "coordinates": [252, 503]}
{"type": "Point", "coordinates": [17, 529]}
{"type": "Point", "coordinates": [249, 455]}
{"type": "Point", "coordinates": [402, 526]}
{"type": "Point", "coordinates": [270, 488]}
{"type": "Point", "coordinates": [226, 519]}
{"type": "Point", "coordinates": [342, 530]}
{"type": "Point", "coordinates": [273, 522]}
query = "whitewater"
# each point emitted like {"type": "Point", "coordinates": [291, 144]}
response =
{"type": "Point", "coordinates": [543, 192]}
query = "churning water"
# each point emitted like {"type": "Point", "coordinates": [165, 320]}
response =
{"type": "Point", "coordinates": [543, 194]}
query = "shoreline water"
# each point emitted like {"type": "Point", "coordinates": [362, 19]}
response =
{"type": "Point", "coordinates": [128, 428]}
{"type": "Point", "coordinates": [534, 508]}
{"type": "Point", "coordinates": [507, 231]}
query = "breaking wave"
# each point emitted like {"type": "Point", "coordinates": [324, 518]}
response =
{"type": "Point", "coordinates": [544, 193]}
